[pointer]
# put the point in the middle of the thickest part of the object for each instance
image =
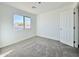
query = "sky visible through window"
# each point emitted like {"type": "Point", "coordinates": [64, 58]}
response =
{"type": "Point", "coordinates": [19, 22]}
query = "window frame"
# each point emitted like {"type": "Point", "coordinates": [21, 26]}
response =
{"type": "Point", "coordinates": [23, 22]}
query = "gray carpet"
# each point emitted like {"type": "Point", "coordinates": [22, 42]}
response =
{"type": "Point", "coordinates": [40, 47]}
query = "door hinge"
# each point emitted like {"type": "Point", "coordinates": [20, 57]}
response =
{"type": "Point", "coordinates": [74, 12]}
{"type": "Point", "coordinates": [74, 42]}
{"type": "Point", "coordinates": [74, 27]}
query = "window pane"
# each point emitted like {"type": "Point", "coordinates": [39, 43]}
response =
{"type": "Point", "coordinates": [27, 23]}
{"type": "Point", "coordinates": [18, 22]}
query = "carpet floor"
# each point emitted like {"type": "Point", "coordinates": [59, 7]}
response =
{"type": "Point", "coordinates": [39, 47]}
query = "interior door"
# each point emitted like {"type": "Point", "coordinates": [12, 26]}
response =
{"type": "Point", "coordinates": [66, 27]}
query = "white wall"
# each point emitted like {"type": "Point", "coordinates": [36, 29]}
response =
{"type": "Point", "coordinates": [8, 34]}
{"type": "Point", "coordinates": [48, 24]}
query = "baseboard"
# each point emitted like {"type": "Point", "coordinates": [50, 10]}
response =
{"type": "Point", "coordinates": [52, 39]}
{"type": "Point", "coordinates": [48, 37]}
{"type": "Point", "coordinates": [17, 41]}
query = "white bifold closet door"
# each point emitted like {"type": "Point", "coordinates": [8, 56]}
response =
{"type": "Point", "coordinates": [66, 27]}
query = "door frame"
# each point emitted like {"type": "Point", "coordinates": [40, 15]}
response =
{"type": "Point", "coordinates": [75, 28]}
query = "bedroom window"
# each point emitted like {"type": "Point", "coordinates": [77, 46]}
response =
{"type": "Point", "coordinates": [22, 22]}
{"type": "Point", "coordinates": [18, 22]}
{"type": "Point", "coordinates": [27, 22]}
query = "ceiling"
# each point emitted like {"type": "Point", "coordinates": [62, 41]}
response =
{"type": "Point", "coordinates": [43, 7]}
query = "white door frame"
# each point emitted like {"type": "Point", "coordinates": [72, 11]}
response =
{"type": "Point", "coordinates": [75, 27]}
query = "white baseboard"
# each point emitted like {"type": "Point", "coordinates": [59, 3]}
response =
{"type": "Point", "coordinates": [31, 37]}
{"type": "Point", "coordinates": [16, 41]}
{"type": "Point", "coordinates": [53, 39]}
{"type": "Point", "coordinates": [48, 37]}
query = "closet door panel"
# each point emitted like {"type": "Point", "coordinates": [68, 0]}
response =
{"type": "Point", "coordinates": [66, 26]}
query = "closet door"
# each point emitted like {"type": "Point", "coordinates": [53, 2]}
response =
{"type": "Point", "coordinates": [66, 27]}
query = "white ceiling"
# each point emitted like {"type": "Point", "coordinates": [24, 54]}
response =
{"type": "Point", "coordinates": [43, 7]}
